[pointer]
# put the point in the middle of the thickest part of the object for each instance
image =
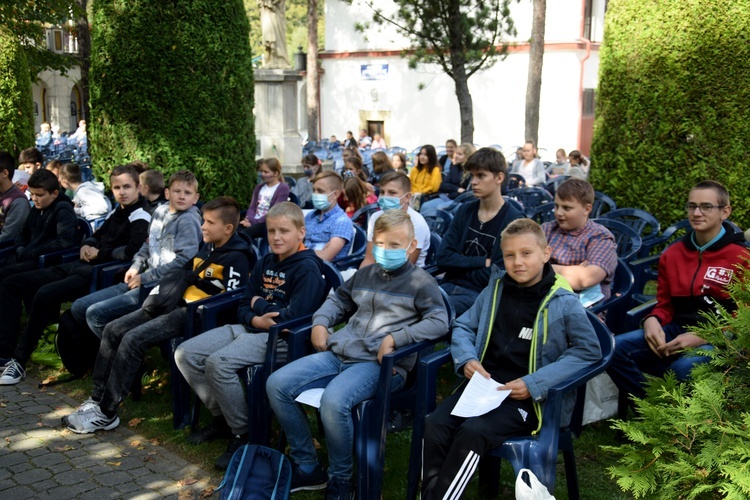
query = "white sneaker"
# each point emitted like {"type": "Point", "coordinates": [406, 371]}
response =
{"type": "Point", "coordinates": [90, 420]}
{"type": "Point", "coordinates": [86, 405]}
{"type": "Point", "coordinates": [13, 373]}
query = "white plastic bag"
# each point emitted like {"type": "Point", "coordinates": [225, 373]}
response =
{"type": "Point", "coordinates": [537, 491]}
{"type": "Point", "coordinates": [601, 399]}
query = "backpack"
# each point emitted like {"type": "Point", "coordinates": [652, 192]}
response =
{"type": "Point", "coordinates": [76, 345]}
{"type": "Point", "coordinates": [257, 473]}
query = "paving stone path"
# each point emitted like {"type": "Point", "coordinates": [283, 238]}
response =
{"type": "Point", "coordinates": [40, 459]}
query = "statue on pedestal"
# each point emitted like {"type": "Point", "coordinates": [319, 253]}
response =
{"type": "Point", "coordinates": [273, 30]}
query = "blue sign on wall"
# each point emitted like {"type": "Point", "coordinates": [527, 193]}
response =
{"type": "Point", "coordinates": [374, 71]}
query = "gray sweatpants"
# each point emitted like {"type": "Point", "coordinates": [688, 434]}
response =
{"type": "Point", "coordinates": [210, 361]}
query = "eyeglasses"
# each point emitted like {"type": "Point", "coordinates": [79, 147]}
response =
{"type": "Point", "coordinates": [705, 208]}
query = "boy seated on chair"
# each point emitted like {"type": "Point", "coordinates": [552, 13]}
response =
{"type": "Point", "coordinates": [472, 243]}
{"type": "Point", "coordinates": [89, 201]}
{"type": "Point", "coordinates": [45, 290]}
{"type": "Point", "coordinates": [388, 305]}
{"type": "Point", "coordinates": [526, 331]}
{"type": "Point", "coordinates": [583, 252]}
{"type": "Point", "coordinates": [14, 206]}
{"type": "Point", "coordinates": [693, 276]}
{"type": "Point", "coordinates": [329, 231]}
{"type": "Point", "coordinates": [285, 284]}
{"type": "Point", "coordinates": [395, 193]}
{"type": "Point", "coordinates": [126, 340]}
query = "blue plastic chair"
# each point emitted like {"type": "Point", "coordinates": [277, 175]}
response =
{"type": "Point", "coordinates": [515, 181]}
{"type": "Point", "coordinates": [531, 197]}
{"type": "Point", "coordinates": [641, 221]}
{"type": "Point", "coordinates": [618, 303]}
{"type": "Point", "coordinates": [356, 251]}
{"type": "Point", "coordinates": [537, 453]}
{"type": "Point", "coordinates": [627, 239]}
{"type": "Point", "coordinates": [362, 216]}
{"type": "Point", "coordinates": [554, 183]}
{"type": "Point", "coordinates": [602, 204]}
{"type": "Point", "coordinates": [72, 254]}
{"type": "Point", "coordinates": [430, 261]}
{"type": "Point", "coordinates": [666, 238]}
{"type": "Point", "coordinates": [290, 181]}
{"type": "Point", "coordinates": [542, 213]}
{"type": "Point", "coordinates": [438, 221]}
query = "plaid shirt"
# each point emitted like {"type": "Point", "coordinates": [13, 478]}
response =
{"type": "Point", "coordinates": [335, 224]}
{"type": "Point", "coordinates": [592, 243]}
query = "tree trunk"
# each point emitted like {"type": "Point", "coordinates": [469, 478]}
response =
{"type": "Point", "coordinates": [536, 58]}
{"type": "Point", "coordinates": [312, 71]}
{"type": "Point", "coordinates": [465, 104]}
{"type": "Point", "coordinates": [84, 57]}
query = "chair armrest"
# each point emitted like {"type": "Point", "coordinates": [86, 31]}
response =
{"type": "Point", "coordinates": [297, 331]}
{"type": "Point", "coordinates": [348, 262]}
{"type": "Point", "coordinates": [637, 313]}
{"type": "Point", "coordinates": [60, 256]}
{"type": "Point", "coordinates": [103, 275]}
{"type": "Point", "coordinates": [209, 313]}
{"type": "Point", "coordinates": [193, 308]}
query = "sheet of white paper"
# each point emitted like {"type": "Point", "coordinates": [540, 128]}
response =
{"type": "Point", "coordinates": [311, 397]}
{"type": "Point", "coordinates": [479, 397]}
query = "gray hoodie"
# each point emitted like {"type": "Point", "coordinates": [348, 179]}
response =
{"type": "Point", "coordinates": [90, 202]}
{"type": "Point", "coordinates": [173, 238]}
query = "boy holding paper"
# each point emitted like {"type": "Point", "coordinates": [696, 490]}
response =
{"type": "Point", "coordinates": [526, 330]}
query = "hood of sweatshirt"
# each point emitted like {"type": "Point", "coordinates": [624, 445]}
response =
{"type": "Point", "coordinates": [732, 235]}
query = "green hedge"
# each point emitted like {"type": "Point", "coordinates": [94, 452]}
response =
{"type": "Point", "coordinates": [172, 85]}
{"type": "Point", "coordinates": [673, 104]}
{"type": "Point", "coordinates": [16, 100]}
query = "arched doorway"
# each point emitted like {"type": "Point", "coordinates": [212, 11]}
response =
{"type": "Point", "coordinates": [76, 107]}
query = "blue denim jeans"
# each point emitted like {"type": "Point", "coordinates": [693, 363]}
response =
{"type": "Point", "coordinates": [346, 385]}
{"type": "Point", "coordinates": [633, 358]}
{"type": "Point", "coordinates": [461, 298]}
{"type": "Point", "coordinates": [103, 306]}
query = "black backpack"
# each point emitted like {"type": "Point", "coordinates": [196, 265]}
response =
{"type": "Point", "coordinates": [76, 345]}
{"type": "Point", "coordinates": [257, 473]}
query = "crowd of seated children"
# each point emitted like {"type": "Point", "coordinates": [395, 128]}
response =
{"type": "Point", "coordinates": [49, 227]}
{"type": "Point", "coordinates": [285, 284]}
{"type": "Point", "coordinates": [44, 290]}
{"type": "Point", "coordinates": [471, 245]}
{"type": "Point", "coordinates": [583, 252]}
{"type": "Point", "coordinates": [530, 167]}
{"type": "Point", "coordinates": [173, 238]}
{"type": "Point", "coordinates": [14, 206]}
{"type": "Point", "coordinates": [152, 189]}
{"type": "Point", "coordinates": [693, 276]}
{"type": "Point", "coordinates": [329, 231]}
{"type": "Point", "coordinates": [387, 305]}
{"type": "Point", "coordinates": [89, 201]}
{"type": "Point", "coordinates": [455, 182]}
{"type": "Point", "coordinates": [525, 351]}
{"type": "Point", "coordinates": [125, 340]}
{"type": "Point", "coordinates": [395, 194]}
{"type": "Point", "coordinates": [270, 190]}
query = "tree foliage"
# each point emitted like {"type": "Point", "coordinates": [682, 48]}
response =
{"type": "Point", "coordinates": [690, 439]}
{"type": "Point", "coordinates": [672, 103]}
{"type": "Point", "coordinates": [171, 84]}
{"type": "Point", "coordinates": [28, 19]}
{"type": "Point", "coordinates": [460, 36]}
{"type": "Point", "coordinates": [16, 102]}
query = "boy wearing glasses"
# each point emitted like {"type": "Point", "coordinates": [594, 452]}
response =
{"type": "Point", "coordinates": [693, 275]}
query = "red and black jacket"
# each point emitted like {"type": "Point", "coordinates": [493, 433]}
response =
{"type": "Point", "coordinates": [691, 281]}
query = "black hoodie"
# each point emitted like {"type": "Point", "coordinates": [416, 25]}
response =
{"type": "Point", "coordinates": [122, 234]}
{"type": "Point", "coordinates": [47, 230]}
{"type": "Point", "coordinates": [284, 287]}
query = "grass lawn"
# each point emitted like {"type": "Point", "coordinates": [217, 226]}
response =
{"type": "Point", "coordinates": [154, 416]}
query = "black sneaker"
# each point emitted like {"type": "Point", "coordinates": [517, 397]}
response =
{"type": "Point", "coordinates": [399, 420]}
{"type": "Point", "coordinates": [235, 442]}
{"type": "Point", "coordinates": [216, 429]}
{"type": "Point", "coordinates": [315, 480]}
{"type": "Point", "coordinates": [339, 489]}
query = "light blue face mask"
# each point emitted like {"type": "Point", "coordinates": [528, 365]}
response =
{"type": "Point", "coordinates": [389, 203]}
{"type": "Point", "coordinates": [320, 201]}
{"type": "Point", "coordinates": [389, 259]}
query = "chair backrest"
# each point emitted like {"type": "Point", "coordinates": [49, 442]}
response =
{"type": "Point", "coordinates": [290, 181]}
{"type": "Point", "coordinates": [553, 184]}
{"type": "Point", "coordinates": [332, 275]}
{"type": "Point", "coordinates": [362, 216]}
{"type": "Point", "coordinates": [531, 197]}
{"type": "Point", "coordinates": [514, 203]}
{"type": "Point", "coordinates": [430, 259]}
{"type": "Point", "coordinates": [359, 242]}
{"type": "Point", "coordinates": [618, 303]}
{"type": "Point", "coordinates": [641, 221]}
{"type": "Point", "coordinates": [515, 181]}
{"type": "Point", "coordinates": [542, 213]}
{"type": "Point", "coordinates": [438, 221]}
{"type": "Point", "coordinates": [602, 204]}
{"type": "Point", "coordinates": [628, 240]}
{"type": "Point", "coordinates": [83, 229]}
{"type": "Point", "coordinates": [293, 198]}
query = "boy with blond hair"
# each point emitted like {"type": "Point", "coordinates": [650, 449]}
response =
{"type": "Point", "coordinates": [526, 331]}
{"type": "Point", "coordinates": [225, 262]}
{"type": "Point", "coordinates": [389, 305]}
{"type": "Point", "coordinates": [286, 283]}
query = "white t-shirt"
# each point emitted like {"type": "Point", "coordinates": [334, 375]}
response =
{"type": "Point", "coordinates": [264, 200]}
{"type": "Point", "coordinates": [421, 232]}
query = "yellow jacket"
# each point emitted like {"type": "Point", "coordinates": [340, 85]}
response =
{"type": "Point", "coordinates": [426, 181]}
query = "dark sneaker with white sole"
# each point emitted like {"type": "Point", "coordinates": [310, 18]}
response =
{"type": "Point", "coordinates": [315, 480]}
{"type": "Point", "coordinates": [13, 373]}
